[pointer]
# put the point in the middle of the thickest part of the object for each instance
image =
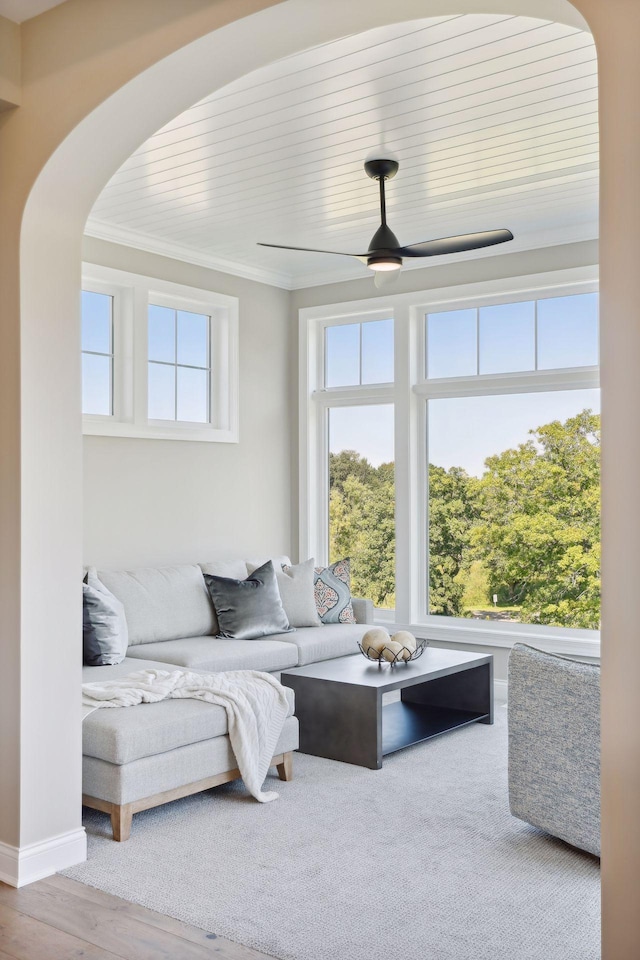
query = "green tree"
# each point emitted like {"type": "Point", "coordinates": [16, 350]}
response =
{"type": "Point", "coordinates": [362, 524]}
{"type": "Point", "coordinates": [539, 531]}
{"type": "Point", "coordinates": [452, 512]}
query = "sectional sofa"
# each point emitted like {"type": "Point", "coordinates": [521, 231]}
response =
{"type": "Point", "coordinates": [138, 758]}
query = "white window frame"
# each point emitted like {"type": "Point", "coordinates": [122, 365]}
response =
{"type": "Point", "coordinates": [408, 393]}
{"type": "Point", "coordinates": [132, 293]}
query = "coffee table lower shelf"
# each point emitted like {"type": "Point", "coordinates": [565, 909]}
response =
{"type": "Point", "coordinates": [404, 723]}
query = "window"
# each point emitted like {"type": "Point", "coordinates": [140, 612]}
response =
{"type": "Point", "coordinates": [159, 359]}
{"type": "Point", "coordinates": [97, 353]}
{"type": "Point", "coordinates": [359, 353]}
{"type": "Point", "coordinates": [452, 450]}
{"type": "Point", "coordinates": [545, 334]}
{"type": "Point", "coordinates": [513, 477]}
{"type": "Point", "coordinates": [356, 451]}
{"type": "Point", "coordinates": [179, 365]}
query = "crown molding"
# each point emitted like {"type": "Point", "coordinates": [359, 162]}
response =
{"type": "Point", "coordinates": [165, 248]}
{"type": "Point", "coordinates": [176, 251]}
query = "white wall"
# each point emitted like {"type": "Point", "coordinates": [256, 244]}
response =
{"type": "Point", "coordinates": [164, 501]}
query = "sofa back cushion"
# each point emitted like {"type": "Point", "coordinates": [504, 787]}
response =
{"type": "Point", "coordinates": [162, 603]}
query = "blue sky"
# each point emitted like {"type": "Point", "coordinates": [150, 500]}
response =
{"type": "Point", "coordinates": [559, 332]}
{"type": "Point", "coordinates": [178, 353]}
{"type": "Point", "coordinates": [496, 339]}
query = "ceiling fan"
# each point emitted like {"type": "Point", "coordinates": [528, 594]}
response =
{"type": "Point", "coordinates": [385, 254]}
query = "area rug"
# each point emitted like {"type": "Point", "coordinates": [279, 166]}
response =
{"type": "Point", "coordinates": [418, 861]}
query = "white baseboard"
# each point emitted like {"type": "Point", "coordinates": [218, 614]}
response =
{"type": "Point", "coordinates": [22, 865]}
{"type": "Point", "coordinates": [500, 691]}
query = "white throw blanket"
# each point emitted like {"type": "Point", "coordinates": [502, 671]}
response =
{"type": "Point", "coordinates": [255, 702]}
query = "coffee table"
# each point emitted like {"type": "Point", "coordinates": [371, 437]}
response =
{"type": "Point", "coordinates": [339, 703]}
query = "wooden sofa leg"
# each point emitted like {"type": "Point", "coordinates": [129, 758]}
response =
{"type": "Point", "coordinates": [285, 769]}
{"type": "Point", "coordinates": [121, 817]}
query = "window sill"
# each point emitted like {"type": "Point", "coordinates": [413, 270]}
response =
{"type": "Point", "coordinates": [578, 643]}
{"type": "Point", "coordinates": [111, 428]}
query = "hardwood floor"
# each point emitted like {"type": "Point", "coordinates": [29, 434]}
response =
{"type": "Point", "coordinates": [60, 919]}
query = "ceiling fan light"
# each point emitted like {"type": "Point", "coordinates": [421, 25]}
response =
{"type": "Point", "coordinates": [384, 263]}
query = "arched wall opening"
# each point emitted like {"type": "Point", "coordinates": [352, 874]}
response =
{"type": "Point", "coordinates": [50, 532]}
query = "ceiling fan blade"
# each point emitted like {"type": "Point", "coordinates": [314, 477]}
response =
{"type": "Point", "coordinates": [338, 253]}
{"type": "Point", "coordinates": [386, 278]}
{"type": "Point", "coordinates": [467, 241]}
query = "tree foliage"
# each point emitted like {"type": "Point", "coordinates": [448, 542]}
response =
{"type": "Point", "coordinates": [539, 534]}
{"type": "Point", "coordinates": [452, 513]}
{"type": "Point", "coordinates": [362, 524]}
{"type": "Point", "coordinates": [528, 530]}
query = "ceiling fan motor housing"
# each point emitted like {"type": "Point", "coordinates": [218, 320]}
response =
{"type": "Point", "coordinates": [381, 169]}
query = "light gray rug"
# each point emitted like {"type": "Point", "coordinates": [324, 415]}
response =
{"type": "Point", "coordinates": [418, 861]}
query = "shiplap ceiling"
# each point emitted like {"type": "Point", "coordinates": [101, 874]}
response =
{"type": "Point", "coordinates": [493, 119]}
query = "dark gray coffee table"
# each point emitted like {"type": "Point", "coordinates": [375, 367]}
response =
{"type": "Point", "coordinates": [342, 716]}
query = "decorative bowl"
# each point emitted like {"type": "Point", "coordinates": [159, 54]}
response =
{"type": "Point", "coordinates": [393, 658]}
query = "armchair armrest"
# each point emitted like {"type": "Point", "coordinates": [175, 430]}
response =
{"type": "Point", "coordinates": [554, 745]}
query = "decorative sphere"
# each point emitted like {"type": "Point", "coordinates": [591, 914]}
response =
{"type": "Point", "coordinates": [391, 650]}
{"type": "Point", "coordinates": [374, 640]}
{"type": "Point", "coordinates": [405, 639]}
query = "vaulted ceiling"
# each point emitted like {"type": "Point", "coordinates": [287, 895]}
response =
{"type": "Point", "coordinates": [493, 119]}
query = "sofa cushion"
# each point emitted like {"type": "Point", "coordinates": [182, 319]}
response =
{"type": "Point", "coordinates": [113, 672]}
{"type": "Point", "coordinates": [125, 734]}
{"type": "Point", "coordinates": [165, 771]}
{"type": "Point", "coordinates": [326, 641]}
{"type": "Point", "coordinates": [162, 603]}
{"type": "Point", "coordinates": [217, 653]}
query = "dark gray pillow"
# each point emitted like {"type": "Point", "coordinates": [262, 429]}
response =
{"type": "Point", "coordinates": [248, 609]}
{"type": "Point", "coordinates": [105, 636]}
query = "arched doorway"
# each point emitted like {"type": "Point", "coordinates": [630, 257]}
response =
{"type": "Point", "coordinates": [46, 428]}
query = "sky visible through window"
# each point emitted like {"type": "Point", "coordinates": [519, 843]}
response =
{"type": "Point", "coordinates": [497, 339]}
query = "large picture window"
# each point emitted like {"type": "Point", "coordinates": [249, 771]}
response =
{"type": "Point", "coordinates": [453, 451]}
{"type": "Point", "coordinates": [514, 508]}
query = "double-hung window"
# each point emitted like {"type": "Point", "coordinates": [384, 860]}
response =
{"type": "Point", "coordinates": [450, 446]}
{"type": "Point", "coordinates": [159, 360]}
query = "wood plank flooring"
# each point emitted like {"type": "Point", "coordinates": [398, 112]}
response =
{"type": "Point", "coordinates": [61, 919]}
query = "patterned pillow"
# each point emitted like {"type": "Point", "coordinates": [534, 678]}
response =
{"type": "Point", "coordinates": [332, 587]}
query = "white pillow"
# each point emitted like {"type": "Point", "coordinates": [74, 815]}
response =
{"type": "Point", "coordinates": [295, 584]}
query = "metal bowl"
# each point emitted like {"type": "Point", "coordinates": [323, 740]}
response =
{"type": "Point", "coordinates": [393, 659]}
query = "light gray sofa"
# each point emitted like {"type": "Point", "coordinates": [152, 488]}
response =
{"type": "Point", "coordinates": [554, 745]}
{"type": "Point", "coordinates": [136, 759]}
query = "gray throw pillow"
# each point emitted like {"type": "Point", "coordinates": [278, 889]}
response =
{"type": "Point", "coordinates": [105, 636]}
{"type": "Point", "coordinates": [295, 583]}
{"type": "Point", "coordinates": [248, 609]}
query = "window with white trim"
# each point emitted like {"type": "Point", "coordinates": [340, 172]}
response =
{"type": "Point", "coordinates": [490, 512]}
{"type": "Point", "coordinates": [160, 360]}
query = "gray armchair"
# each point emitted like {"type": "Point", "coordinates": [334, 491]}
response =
{"type": "Point", "coordinates": [554, 745]}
